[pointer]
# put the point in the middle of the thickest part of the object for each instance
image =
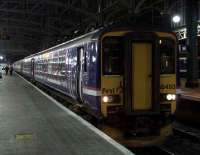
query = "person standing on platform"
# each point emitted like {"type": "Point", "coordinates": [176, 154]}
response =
{"type": "Point", "coordinates": [11, 70]}
{"type": "Point", "coordinates": [0, 72]}
{"type": "Point", "coordinates": [6, 69]}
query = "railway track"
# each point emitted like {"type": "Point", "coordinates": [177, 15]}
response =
{"type": "Point", "coordinates": [155, 150]}
{"type": "Point", "coordinates": [187, 134]}
{"type": "Point", "coordinates": [185, 141]}
{"type": "Point", "coordinates": [164, 151]}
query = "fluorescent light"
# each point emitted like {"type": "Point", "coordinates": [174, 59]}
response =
{"type": "Point", "coordinates": [176, 19]}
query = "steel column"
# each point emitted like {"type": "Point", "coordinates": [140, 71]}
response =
{"type": "Point", "coordinates": [192, 43]}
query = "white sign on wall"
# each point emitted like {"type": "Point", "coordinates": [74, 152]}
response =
{"type": "Point", "coordinates": [182, 33]}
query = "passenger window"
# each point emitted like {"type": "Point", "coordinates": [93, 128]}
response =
{"type": "Point", "coordinates": [167, 57]}
{"type": "Point", "coordinates": [112, 56]}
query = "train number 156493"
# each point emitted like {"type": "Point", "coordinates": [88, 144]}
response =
{"type": "Point", "coordinates": [167, 86]}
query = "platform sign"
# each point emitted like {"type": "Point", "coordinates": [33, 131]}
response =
{"type": "Point", "coordinates": [182, 33]}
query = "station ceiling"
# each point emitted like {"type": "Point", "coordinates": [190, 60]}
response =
{"type": "Point", "coordinates": [28, 26]}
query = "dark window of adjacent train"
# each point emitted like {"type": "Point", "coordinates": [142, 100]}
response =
{"type": "Point", "coordinates": [112, 56]}
{"type": "Point", "coordinates": [167, 56]}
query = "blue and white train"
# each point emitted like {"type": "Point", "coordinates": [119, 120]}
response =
{"type": "Point", "coordinates": [125, 75]}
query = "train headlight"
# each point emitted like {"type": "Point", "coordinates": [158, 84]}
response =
{"type": "Point", "coordinates": [171, 97]}
{"type": "Point", "coordinates": [105, 99]}
{"type": "Point", "coordinates": [111, 99]}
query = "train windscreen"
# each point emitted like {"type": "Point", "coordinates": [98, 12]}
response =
{"type": "Point", "coordinates": [167, 56]}
{"type": "Point", "coordinates": [112, 56]}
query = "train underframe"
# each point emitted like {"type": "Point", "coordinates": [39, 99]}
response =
{"type": "Point", "coordinates": [138, 130]}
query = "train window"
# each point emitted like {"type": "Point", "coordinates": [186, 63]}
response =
{"type": "Point", "coordinates": [167, 57]}
{"type": "Point", "coordinates": [112, 56]}
{"type": "Point", "coordinates": [85, 62]}
{"type": "Point", "coordinates": [83, 59]}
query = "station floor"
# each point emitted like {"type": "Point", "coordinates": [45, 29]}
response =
{"type": "Point", "coordinates": [191, 94]}
{"type": "Point", "coordinates": [188, 93]}
{"type": "Point", "coordinates": [31, 123]}
{"type": "Point", "coordinates": [188, 105]}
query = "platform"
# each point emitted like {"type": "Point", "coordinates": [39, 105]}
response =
{"type": "Point", "coordinates": [188, 105]}
{"type": "Point", "coordinates": [32, 123]}
{"type": "Point", "coordinates": [190, 94]}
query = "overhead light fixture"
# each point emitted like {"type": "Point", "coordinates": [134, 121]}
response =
{"type": "Point", "coordinates": [76, 31]}
{"type": "Point", "coordinates": [1, 57]}
{"type": "Point", "coordinates": [176, 18]}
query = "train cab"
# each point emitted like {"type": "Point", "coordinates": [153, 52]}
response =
{"type": "Point", "coordinates": [138, 81]}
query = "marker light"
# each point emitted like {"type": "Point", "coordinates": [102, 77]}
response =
{"type": "Point", "coordinates": [170, 97]}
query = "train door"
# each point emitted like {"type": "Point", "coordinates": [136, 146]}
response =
{"type": "Point", "coordinates": [32, 68]}
{"type": "Point", "coordinates": [80, 71]}
{"type": "Point", "coordinates": [141, 76]}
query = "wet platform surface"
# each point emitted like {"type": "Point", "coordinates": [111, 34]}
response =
{"type": "Point", "coordinates": [190, 94]}
{"type": "Point", "coordinates": [31, 124]}
{"type": "Point", "coordinates": [188, 106]}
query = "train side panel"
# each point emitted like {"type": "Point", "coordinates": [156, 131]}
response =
{"type": "Point", "coordinates": [72, 72]}
{"type": "Point", "coordinates": [26, 69]}
{"type": "Point", "coordinates": [60, 70]}
{"type": "Point", "coordinates": [17, 66]}
{"type": "Point", "coordinates": [50, 69]}
{"type": "Point", "coordinates": [91, 77]}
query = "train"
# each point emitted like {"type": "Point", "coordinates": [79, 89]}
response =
{"type": "Point", "coordinates": [123, 76]}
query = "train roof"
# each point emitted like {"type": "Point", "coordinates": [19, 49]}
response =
{"type": "Point", "coordinates": [93, 36]}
